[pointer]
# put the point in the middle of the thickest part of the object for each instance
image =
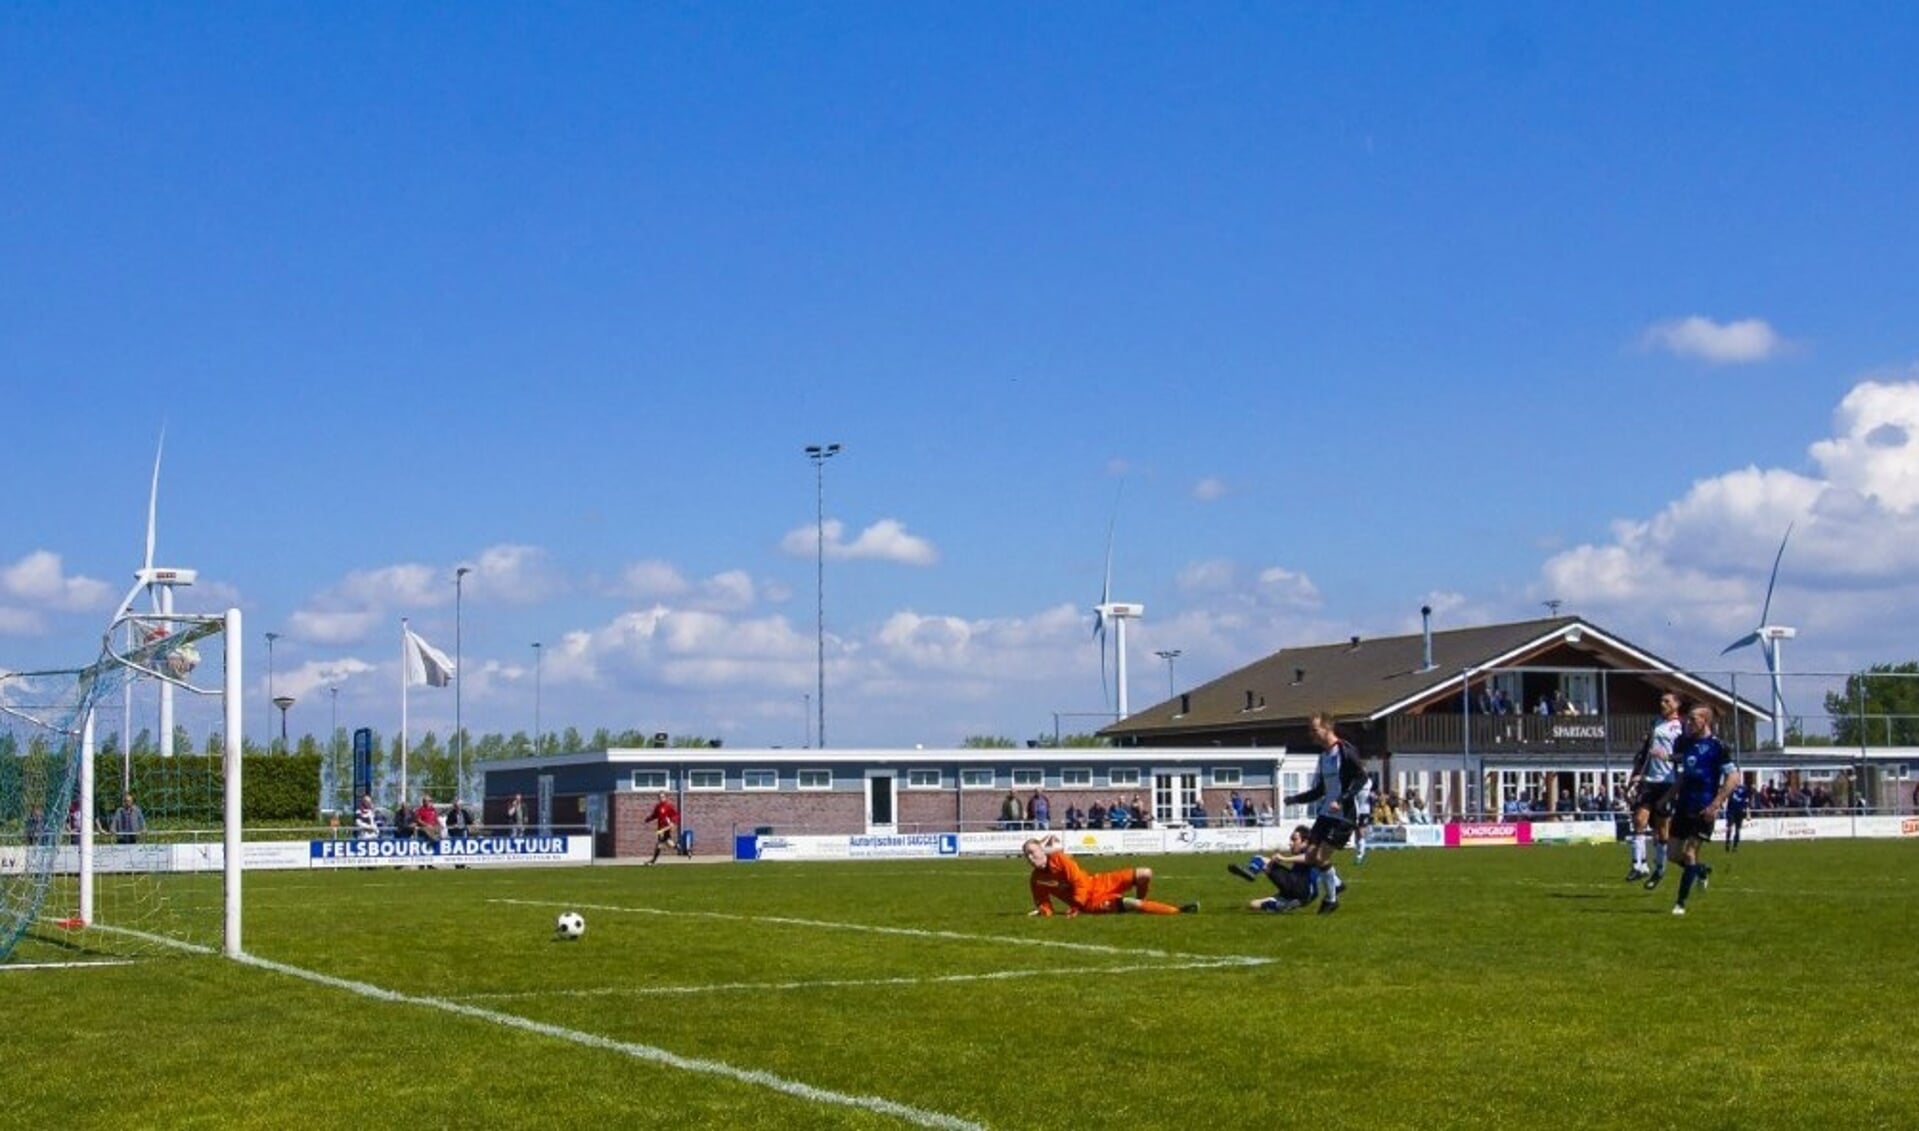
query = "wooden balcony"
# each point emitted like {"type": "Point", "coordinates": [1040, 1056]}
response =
{"type": "Point", "coordinates": [1617, 735]}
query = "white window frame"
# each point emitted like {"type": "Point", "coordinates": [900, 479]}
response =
{"type": "Point", "coordinates": [748, 780]}
{"type": "Point", "coordinates": [1123, 777]}
{"type": "Point", "coordinates": [915, 778]}
{"type": "Point", "coordinates": [968, 774]}
{"type": "Point", "coordinates": [1029, 777]}
{"type": "Point", "coordinates": [652, 781]}
{"type": "Point", "coordinates": [814, 786]}
{"type": "Point", "coordinates": [1076, 777]}
{"type": "Point", "coordinates": [1230, 776]}
{"type": "Point", "coordinates": [709, 781]}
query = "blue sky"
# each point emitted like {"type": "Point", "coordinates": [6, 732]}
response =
{"type": "Point", "coordinates": [1341, 310]}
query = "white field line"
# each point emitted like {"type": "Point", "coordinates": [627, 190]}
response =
{"type": "Point", "coordinates": [907, 932]}
{"type": "Point", "coordinates": [66, 965]}
{"type": "Point", "coordinates": [840, 983]}
{"type": "Point", "coordinates": [917, 1116]}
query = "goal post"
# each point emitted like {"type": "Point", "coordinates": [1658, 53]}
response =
{"type": "Point", "coordinates": [153, 862]}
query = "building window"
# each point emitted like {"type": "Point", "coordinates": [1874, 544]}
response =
{"type": "Point", "coordinates": [1075, 776]}
{"type": "Point", "coordinates": [1126, 776]}
{"type": "Point", "coordinates": [760, 779]}
{"type": "Point", "coordinates": [1226, 775]}
{"type": "Point", "coordinates": [816, 779]}
{"type": "Point", "coordinates": [706, 779]}
{"type": "Point", "coordinates": [651, 780]}
{"type": "Point", "coordinates": [1030, 777]}
{"type": "Point", "coordinates": [976, 779]}
{"type": "Point", "coordinates": [922, 779]}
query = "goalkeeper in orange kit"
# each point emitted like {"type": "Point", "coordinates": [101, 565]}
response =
{"type": "Point", "coordinates": [1056, 875]}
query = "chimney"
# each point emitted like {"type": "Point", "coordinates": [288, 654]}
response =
{"type": "Point", "coordinates": [1299, 676]}
{"type": "Point", "coordinates": [1249, 701]}
{"type": "Point", "coordinates": [1426, 618]}
{"type": "Point", "coordinates": [1185, 703]}
{"type": "Point", "coordinates": [1354, 646]}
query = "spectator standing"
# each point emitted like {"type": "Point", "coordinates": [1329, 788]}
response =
{"type": "Point", "coordinates": [1040, 811]}
{"type": "Point", "coordinates": [366, 825]}
{"type": "Point", "coordinates": [1011, 813]}
{"type": "Point", "coordinates": [129, 823]}
{"type": "Point", "coordinates": [516, 814]}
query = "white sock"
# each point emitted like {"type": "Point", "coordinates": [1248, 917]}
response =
{"type": "Point", "coordinates": [1329, 885]}
{"type": "Point", "coordinates": [1639, 851]}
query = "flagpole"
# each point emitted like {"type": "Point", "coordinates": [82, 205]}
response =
{"type": "Point", "coordinates": [403, 683]}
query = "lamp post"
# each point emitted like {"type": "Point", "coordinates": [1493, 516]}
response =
{"type": "Point", "coordinates": [271, 637]}
{"type": "Point", "coordinates": [1169, 655]}
{"type": "Point", "coordinates": [333, 733]}
{"type": "Point", "coordinates": [459, 739]}
{"type": "Point", "coordinates": [806, 717]}
{"type": "Point", "coordinates": [819, 454]}
{"type": "Point", "coordinates": [536, 698]}
{"type": "Point", "coordinates": [283, 702]}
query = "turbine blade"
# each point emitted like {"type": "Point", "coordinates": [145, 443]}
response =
{"type": "Point", "coordinates": [153, 499]}
{"type": "Point", "coordinates": [1765, 611]}
{"type": "Point", "coordinates": [1745, 641]}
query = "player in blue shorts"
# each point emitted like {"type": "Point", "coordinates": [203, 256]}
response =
{"type": "Point", "coordinates": [1703, 777]}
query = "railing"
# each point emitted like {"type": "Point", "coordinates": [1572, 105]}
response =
{"type": "Point", "coordinates": [1619, 734]}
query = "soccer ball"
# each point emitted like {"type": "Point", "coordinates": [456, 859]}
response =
{"type": "Point", "coordinates": [569, 926]}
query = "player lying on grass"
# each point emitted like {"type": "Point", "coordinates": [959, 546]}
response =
{"type": "Point", "coordinates": [1291, 872]}
{"type": "Point", "coordinates": [1056, 875]}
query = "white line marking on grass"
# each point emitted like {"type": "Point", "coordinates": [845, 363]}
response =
{"type": "Point", "coordinates": [909, 932]}
{"type": "Point", "coordinates": [842, 983]}
{"type": "Point", "coordinates": [917, 1116]}
{"type": "Point", "coordinates": [66, 965]}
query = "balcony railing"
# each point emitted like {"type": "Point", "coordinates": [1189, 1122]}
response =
{"type": "Point", "coordinates": [1618, 735]}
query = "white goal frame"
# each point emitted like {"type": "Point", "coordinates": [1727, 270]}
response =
{"type": "Point", "coordinates": [233, 748]}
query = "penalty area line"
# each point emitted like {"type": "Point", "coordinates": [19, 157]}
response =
{"type": "Point", "coordinates": [846, 983]}
{"type": "Point", "coordinates": [920, 1117]}
{"type": "Point", "coordinates": [81, 965]}
{"type": "Point", "coordinates": [906, 932]}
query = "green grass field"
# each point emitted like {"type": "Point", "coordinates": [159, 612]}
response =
{"type": "Point", "coordinates": [1485, 987]}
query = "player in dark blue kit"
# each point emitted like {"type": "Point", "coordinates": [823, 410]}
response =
{"type": "Point", "coordinates": [1703, 777]}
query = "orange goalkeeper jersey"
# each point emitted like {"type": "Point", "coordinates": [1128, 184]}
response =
{"type": "Point", "coordinates": [1063, 879]}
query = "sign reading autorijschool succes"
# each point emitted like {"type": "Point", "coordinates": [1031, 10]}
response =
{"type": "Point", "coordinates": [454, 850]}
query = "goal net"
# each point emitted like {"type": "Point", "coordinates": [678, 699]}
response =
{"type": "Point", "coordinates": [113, 798]}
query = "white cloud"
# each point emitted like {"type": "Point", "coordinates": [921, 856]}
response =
{"type": "Point", "coordinates": [511, 574]}
{"type": "Point", "coordinates": [652, 580]}
{"type": "Point", "coordinates": [1209, 489]}
{"type": "Point", "coordinates": [1701, 565]}
{"type": "Point", "coordinates": [39, 579]}
{"type": "Point", "coordinates": [333, 627]}
{"type": "Point", "coordinates": [885, 540]}
{"type": "Point", "coordinates": [1214, 576]}
{"type": "Point", "coordinates": [1722, 343]}
{"type": "Point", "coordinates": [20, 622]}
{"type": "Point", "coordinates": [1281, 586]}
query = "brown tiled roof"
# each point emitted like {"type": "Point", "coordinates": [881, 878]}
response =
{"type": "Point", "coordinates": [1349, 681]}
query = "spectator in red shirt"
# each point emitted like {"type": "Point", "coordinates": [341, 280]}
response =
{"type": "Point", "coordinates": [427, 819]}
{"type": "Point", "coordinates": [666, 816]}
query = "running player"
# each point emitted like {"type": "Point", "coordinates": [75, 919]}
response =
{"type": "Point", "coordinates": [1056, 875]}
{"type": "Point", "coordinates": [1646, 789]}
{"type": "Point", "coordinates": [1703, 777]}
{"type": "Point", "coordinates": [1334, 783]}
{"type": "Point", "coordinates": [665, 816]}
{"type": "Point", "coordinates": [1362, 817]}
{"type": "Point", "coordinates": [1289, 871]}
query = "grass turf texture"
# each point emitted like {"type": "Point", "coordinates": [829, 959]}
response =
{"type": "Point", "coordinates": [1485, 987]}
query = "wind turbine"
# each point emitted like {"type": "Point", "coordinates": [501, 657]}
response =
{"type": "Point", "coordinates": [1119, 612]}
{"type": "Point", "coordinates": [159, 583]}
{"type": "Point", "coordinates": [1769, 636]}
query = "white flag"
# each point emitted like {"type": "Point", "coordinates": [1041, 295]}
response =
{"type": "Point", "coordinates": [425, 663]}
